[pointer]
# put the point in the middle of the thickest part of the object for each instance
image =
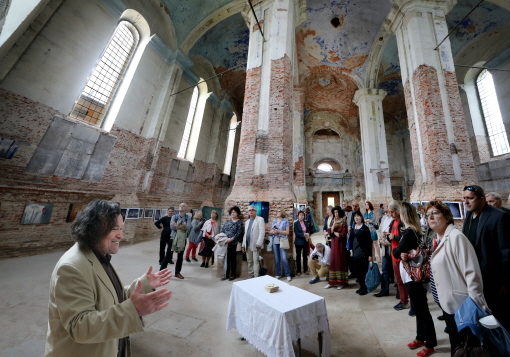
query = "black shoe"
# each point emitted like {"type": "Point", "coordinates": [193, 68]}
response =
{"type": "Point", "coordinates": [224, 278]}
{"type": "Point", "coordinates": [187, 259]}
{"type": "Point", "coordinates": [194, 259]}
{"type": "Point", "coordinates": [440, 317]}
{"type": "Point", "coordinates": [171, 262]}
{"type": "Point", "coordinates": [206, 265]}
{"type": "Point", "coordinates": [446, 330]}
{"type": "Point", "coordinates": [358, 291]}
{"type": "Point", "coordinates": [202, 265]}
{"type": "Point", "coordinates": [380, 294]}
{"type": "Point", "coordinates": [363, 292]}
{"type": "Point", "coordinates": [230, 279]}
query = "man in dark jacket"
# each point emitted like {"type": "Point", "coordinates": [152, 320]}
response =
{"type": "Point", "coordinates": [488, 229]}
{"type": "Point", "coordinates": [166, 233]}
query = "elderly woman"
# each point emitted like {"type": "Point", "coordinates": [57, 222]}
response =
{"type": "Point", "coordinates": [337, 230]}
{"type": "Point", "coordinates": [233, 228]}
{"type": "Point", "coordinates": [210, 230]}
{"type": "Point", "coordinates": [361, 250]}
{"type": "Point", "coordinates": [280, 230]}
{"type": "Point", "coordinates": [425, 331]}
{"type": "Point", "coordinates": [301, 238]}
{"type": "Point", "coordinates": [371, 222]}
{"type": "Point", "coordinates": [455, 272]}
{"type": "Point", "coordinates": [195, 236]}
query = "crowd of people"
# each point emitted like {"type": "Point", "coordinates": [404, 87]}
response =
{"type": "Point", "coordinates": [470, 263]}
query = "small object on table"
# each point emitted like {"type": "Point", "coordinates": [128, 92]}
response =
{"type": "Point", "coordinates": [271, 288]}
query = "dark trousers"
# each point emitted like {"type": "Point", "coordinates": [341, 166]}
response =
{"type": "Point", "coordinates": [168, 257]}
{"type": "Point", "coordinates": [385, 277]}
{"type": "Point", "coordinates": [178, 264]}
{"type": "Point", "coordinates": [231, 261]}
{"type": "Point", "coordinates": [164, 240]}
{"type": "Point", "coordinates": [425, 330]}
{"type": "Point", "coordinates": [361, 271]}
{"type": "Point", "coordinates": [301, 250]}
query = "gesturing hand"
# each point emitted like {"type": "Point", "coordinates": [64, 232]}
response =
{"type": "Point", "coordinates": [146, 304]}
{"type": "Point", "coordinates": [158, 279]}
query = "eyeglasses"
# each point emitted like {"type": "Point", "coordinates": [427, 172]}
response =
{"type": "Point", "coordinates": [432, 213]}
{"type": "Point", "coordinates": [470, 188]}
{"type": "Point", "coordinates": [251, 210]}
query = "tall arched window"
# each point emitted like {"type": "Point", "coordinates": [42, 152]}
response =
{"type": "Point", "coordinates": [189, 122]}
{"type": "Point", "coordinates": [230, 145]}
{"type": "Point", "coordinates": [492, 115]}
{"type": "Point", "coordinates": [99, 91]}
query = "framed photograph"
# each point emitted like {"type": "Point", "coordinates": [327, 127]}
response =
{"type": "Point", "coordinates": [464, 209]}
{"type": "Point", "coordinates": [416, 204]}
{"type": "Point", "coordinates": [456, 208]}
{"type": "Point", "coordinates": [206, 213]}
{"type": "Point", "coordinates": [296, 211]}
{"type": "Point", "coordinates": [8, 148]}
{"type": "Point", "coordinates": [157, 214]}
{"type": "Point", "coordinates": [133, 213]}
{"type": "Point", "coordinates": [262, 208]}
{"type": "Point", "coordinates": [424, 204]}
{"type": "Point", "coordinates": [302, 208]}
{"type": "Point", "coordinates": [148, 213]}
{"type": "Point", "coordinates": [140, 212]}
{"type": "Point", "coordinates": [123, 213]}
{"type": "Point", "coordinates": [37, 213]}
{"type": "Point", "coordinates": [74, 208]}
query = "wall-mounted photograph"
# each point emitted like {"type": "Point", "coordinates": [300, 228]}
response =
{"type": "Point", "coordinates": [74, 208]}
{"type": "Point", "coordinates": [37, 213]}
{"type": "Point", "coordinates": [456, 208]}
{"type": "Point", "coordinates": [132, 213]}
{"type": "Point", "coordinates": [123, 213]}
{"type": "Point", "coordinates": [262, 209]}
{"type": "Point", "coordinates": [415, 204]}
{"type": "Point", "coordinates": [8, 148]}
{"type": "Point", "coordinates": [148, 213]}
{"type": "Point", "coordinates": [140, 212]}
{"type": "Point", "coordinates": [157, 214]}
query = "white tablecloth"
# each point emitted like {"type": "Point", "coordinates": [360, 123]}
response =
{"type": "Point", "coordinates": [270, 322]}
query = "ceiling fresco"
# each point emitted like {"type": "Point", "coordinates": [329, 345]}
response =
{"type": "Point", "coordinates": [187, 14]}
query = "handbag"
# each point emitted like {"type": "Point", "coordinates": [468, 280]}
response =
{"type": "Point", "coordinates": [464, 350]}
{"type": "Point", "coordinates": [418, 264]}
{"type": "Point", "coordinates": [373, 277]}
{"type": "Point", "coordinates": [284, 243]}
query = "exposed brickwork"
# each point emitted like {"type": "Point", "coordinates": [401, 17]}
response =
{"type": "Point", "coordinates": [131, 160]}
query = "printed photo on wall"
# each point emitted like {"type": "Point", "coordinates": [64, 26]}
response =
{"type": "Point", "coordinates": [74, 208]}
{"type": "Point", "coordinates": [415, 204]}
{"type": "Point", "coordinates": [157, 214]}
{"type": "Point", "coordinates": [296, 211]}
{"type": "Point", "coordinates": [149, 213]}
{"type": "Point", "coordinates": [8, 148]}
{"type": "Point", "coordinates": [140, 212]}
{"type": "Point", "coordinates": [302, 207]}
{"type": "Point", "coordinates": [456, 208]}
{"type": "Point", "coordinates": [262, 209]}
{"type": "Point", "coordinates": [206, 213]}
{"type": "Point", "coordinates": [37, 213]}
{"type": "Point", "coordinates": [123, 212]}
{"type": "Point", "coordinates": [132, 213]}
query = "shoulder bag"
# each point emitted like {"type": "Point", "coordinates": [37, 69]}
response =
{"type": "Point", "coordinates": [417, 264]}
{"type": "Point", "coordinates": [284, 243]}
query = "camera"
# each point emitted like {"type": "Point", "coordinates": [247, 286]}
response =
{"type": "Point", "coordinates": [315, 256]}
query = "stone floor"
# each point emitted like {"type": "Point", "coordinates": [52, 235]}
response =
{"type": "Point", "coordinates": [194, 323]}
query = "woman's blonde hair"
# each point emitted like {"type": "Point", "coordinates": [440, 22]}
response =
{"type": "Point", "coordinates": [409, 216]}
{"type": "Point", "coordinates": [216, 213]}
{"type": "Point", "coordinates": [283, 213]}
{"type": "Point", "coordinates": [198, 214]}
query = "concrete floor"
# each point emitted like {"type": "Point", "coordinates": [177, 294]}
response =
{"type": "Point", "coordinates": [194, 323]}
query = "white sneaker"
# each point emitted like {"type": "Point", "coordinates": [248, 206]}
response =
{"type": "Point", "coordinates": [327, 286]}
{"type": "Point", "coordinates": [340, 287]}
{"type": "Point", "coordinates": [289, 278]}
{"type": "Point", "coordinates": [277, 277]}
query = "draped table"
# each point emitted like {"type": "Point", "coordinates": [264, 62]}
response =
{"type": "Point", "coordinates": [271, 321]}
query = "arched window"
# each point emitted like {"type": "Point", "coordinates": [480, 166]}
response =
{"type": "Point", "coordinates": [99, 91]}
{"type": "Point", "coordinates": [325, 167]}
{"type": "Point", "coordinates": [189, 122]}
{"type": "Point", "coordinates": [230, 145]}
{"type": "Point", "coordinates": [492, 115]}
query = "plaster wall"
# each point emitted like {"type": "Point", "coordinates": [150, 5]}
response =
{"type": "Point", "coordinates": [55, 68]}
{"type": "Point", "coordinates": [178, 117]}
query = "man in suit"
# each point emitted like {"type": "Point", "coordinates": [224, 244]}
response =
{"type": "Point", "coordinates": [494, 199]}
{"type": "Point", "coordinates": [254, 232]}
{"type": "Point", "coordinates": [90, 312]}
{"type": "Point", "coordinates": [488, 229]}
{"type": "Point", "coordinates": [166, 236]}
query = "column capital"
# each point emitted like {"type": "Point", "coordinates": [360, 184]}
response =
{"type": "Point", "coordinates": [371, 93]}
{"type": "Point", "coordinates": [401, 8]}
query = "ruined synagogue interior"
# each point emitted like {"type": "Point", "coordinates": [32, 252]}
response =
{"type": "Point", "coordinates": [151, 103]}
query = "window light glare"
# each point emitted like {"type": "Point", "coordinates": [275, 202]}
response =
{"type": "Point", "coordinates": [325, 167]}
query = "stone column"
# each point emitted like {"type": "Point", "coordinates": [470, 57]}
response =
{"type": "Point", "coordinates": [265, 162]}
{"type": "Point", "coordinates": [373, 140]}
{"type": "Point", "coordinates": [442, 157]}
{"type": "Point", "coordinates": [298, 120]}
